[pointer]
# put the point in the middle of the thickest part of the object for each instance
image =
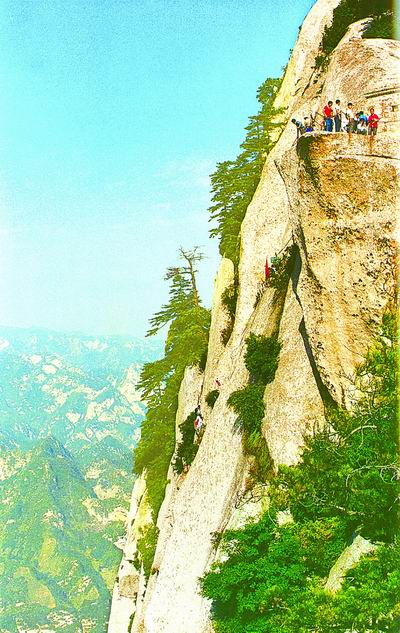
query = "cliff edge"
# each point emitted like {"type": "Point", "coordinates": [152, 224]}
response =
{"type": "Point", "coordinates": [331, 198]}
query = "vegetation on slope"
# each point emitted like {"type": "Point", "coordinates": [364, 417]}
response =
{"type": "Point", "coordinates": [349, 11]}
{"type": "Point", "coordinates": [261, 360]}
{"type": "Point", "coordinates": [347, 484]}
{"type": "Point", "coordinates": [187, 448]}
{"type": "Point", "coordinates": [186, 345]}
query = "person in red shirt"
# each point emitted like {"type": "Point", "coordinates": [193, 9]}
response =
{"type": "Point", "coordinates": [372, 122]}
{"type": "Point", "coordinates": [328, 117]}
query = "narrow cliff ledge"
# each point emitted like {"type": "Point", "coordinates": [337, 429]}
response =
{"type": "Point", "coordinates": [334, 198]}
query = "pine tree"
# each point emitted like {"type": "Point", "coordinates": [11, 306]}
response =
{"type": "Point", "coordinates": [185, 345]}
{"type": "Point", "coordinates": [234, 182]}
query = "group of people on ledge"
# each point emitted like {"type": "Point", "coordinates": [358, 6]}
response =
{"type": "Point", "coordinates": [336, 119]}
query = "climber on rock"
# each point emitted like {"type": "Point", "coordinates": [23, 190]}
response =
{"type": "Point", "coordinates": [267, 270]}
{"type": "Point", "coordinates": [198, 423]}
{"type": "Point", "coordinates": [373, 120]}
{"type": "Point", "coordinates": [328, 116]}
{"type": "Point", "coordinates": [300, 127]}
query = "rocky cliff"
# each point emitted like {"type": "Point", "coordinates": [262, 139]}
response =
{"type": "Point", "coordinates": [333, 197]}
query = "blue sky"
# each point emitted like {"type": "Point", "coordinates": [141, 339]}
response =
{"type": "Point", "coordinates": [114, 113]}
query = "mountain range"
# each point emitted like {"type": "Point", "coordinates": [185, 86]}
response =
{"type": "Point", "coordinates": [70, 416]}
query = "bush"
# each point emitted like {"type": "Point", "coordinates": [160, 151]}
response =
{"type": "Point", "coordinates": [229, 298]}
{"type": "Point", "coordinates": [281, 270]}
{"type": "Point", "coordinates": [186, 450]}
{"type": "Point", "coordinates": [146, 547]}
{"type": "Point", "coordinates": [349, 11]}
{"type": "Point", "coordinates": [383, 26]}
{"type": "Point", "coordinates": [265, 574]}
{"type": "Point", "coordinates": [273, 577]}
{"type": "Point", "coordinates": [211, 397]}
{"type": "Point", "coordinates": [261, 467]}
{"type": "Point", "coordinates": [229, 302]}
{"type": "Point", "coordinates": [261, 358]}
{"type": "Point", "coordinates": [248, 404]}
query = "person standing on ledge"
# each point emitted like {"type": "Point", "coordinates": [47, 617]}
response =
{"type": "Point", "coordinates": [328, 116]}
{"type": "Point", "coordinates": [373, 120]}
{"type": "Point", "coordinates": [338, 116]}
{"type": "Point", "coordinates": [350, 116]}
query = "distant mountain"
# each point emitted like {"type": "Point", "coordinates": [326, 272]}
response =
{"type": "Point", "coordinates": [70, 416]}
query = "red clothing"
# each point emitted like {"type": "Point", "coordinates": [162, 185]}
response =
{"type": "Point", "coordinates": [328, 112]}
{"type": "Point", "coordinates": [267, 271]}
{"type": "Point", "coordinates": [373, 121]}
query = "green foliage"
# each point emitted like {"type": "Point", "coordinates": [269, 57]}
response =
{"type": "Point", "coordinates": [248, 404]}
{"type": "Point", "coordinates": [261, 358]}
{"type": "Point", "coordinates": [186, 344]}
{"type": "Point", "coordinates": [273, 576]}
{"type": "Point", "coordinates": [229, 301]}
{"type": "Point", "coordinates": [227, 331]}
{"type": "Point", "coordinates": [211, 397]}
{"type": "Point", "coordinates": [266, 572]}
{"type": "Point", "coordinates": [369, 599]}
{"type": "Point", "coordinates": [281, 270]}
{"type": "Point", "coordinates": [234, 182]}
{"type": "Point", "coordinates": [349, 11]}
{"type": "Point", "coordinates": [351, 469]}
{"type": "Point", "coordinates": [186, 449]}
{"type": "Point", "coordinates": [146, 546]}
{"type": "Point", "coordinates": [383, 26]}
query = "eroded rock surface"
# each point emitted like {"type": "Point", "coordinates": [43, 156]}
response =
{"type": "Point", "coordinates": [334, 198]}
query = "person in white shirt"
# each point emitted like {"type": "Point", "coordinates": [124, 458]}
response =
{"type": "Point", "coordinates": [351, 117]}
{"type": "Point", "coordinates": [338, 116]}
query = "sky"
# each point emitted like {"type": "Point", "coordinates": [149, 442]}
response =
{"type": "Point", "coordinates": [113, 115]}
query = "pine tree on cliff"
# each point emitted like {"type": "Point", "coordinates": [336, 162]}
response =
{"type": "Point", "coordinates": [185, 345]}
{"type": "Point", "coordinates": [234, 182]}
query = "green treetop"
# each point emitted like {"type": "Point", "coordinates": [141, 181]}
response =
{"type": "Point", "coordinates": [185, 345]}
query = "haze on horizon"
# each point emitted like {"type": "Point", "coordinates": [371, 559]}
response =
{"type": "Point", "coordinates": [114, 114]}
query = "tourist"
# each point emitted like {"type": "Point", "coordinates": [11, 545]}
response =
{"type": "Point", "coordinates": [350, 116]}
{"type": "Point", "coordinates": [307, 125]}
{"type": "Point", "coordinates": [300, 127]}
{"type": "Point", "coordinates": [198, 423]}
{"type": "Point", "coordinates": [338, 116]}
{"type": "Point", "coordinates": [328, 117]}
{"type": "Point", "coordinates": [373, 120]}
{"type": "Point", "coordinates": [362, 123]}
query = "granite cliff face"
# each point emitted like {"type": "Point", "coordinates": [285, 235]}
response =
{"type": "Point", "coordinates": [334, 198]}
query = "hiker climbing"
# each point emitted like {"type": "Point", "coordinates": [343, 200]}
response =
{"type": "Point", "coordinates": [267, 269]}
{"type": "Point", "coordinates": [300, 127]}
{"type": "Point", "coordinates": [198, 423]}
